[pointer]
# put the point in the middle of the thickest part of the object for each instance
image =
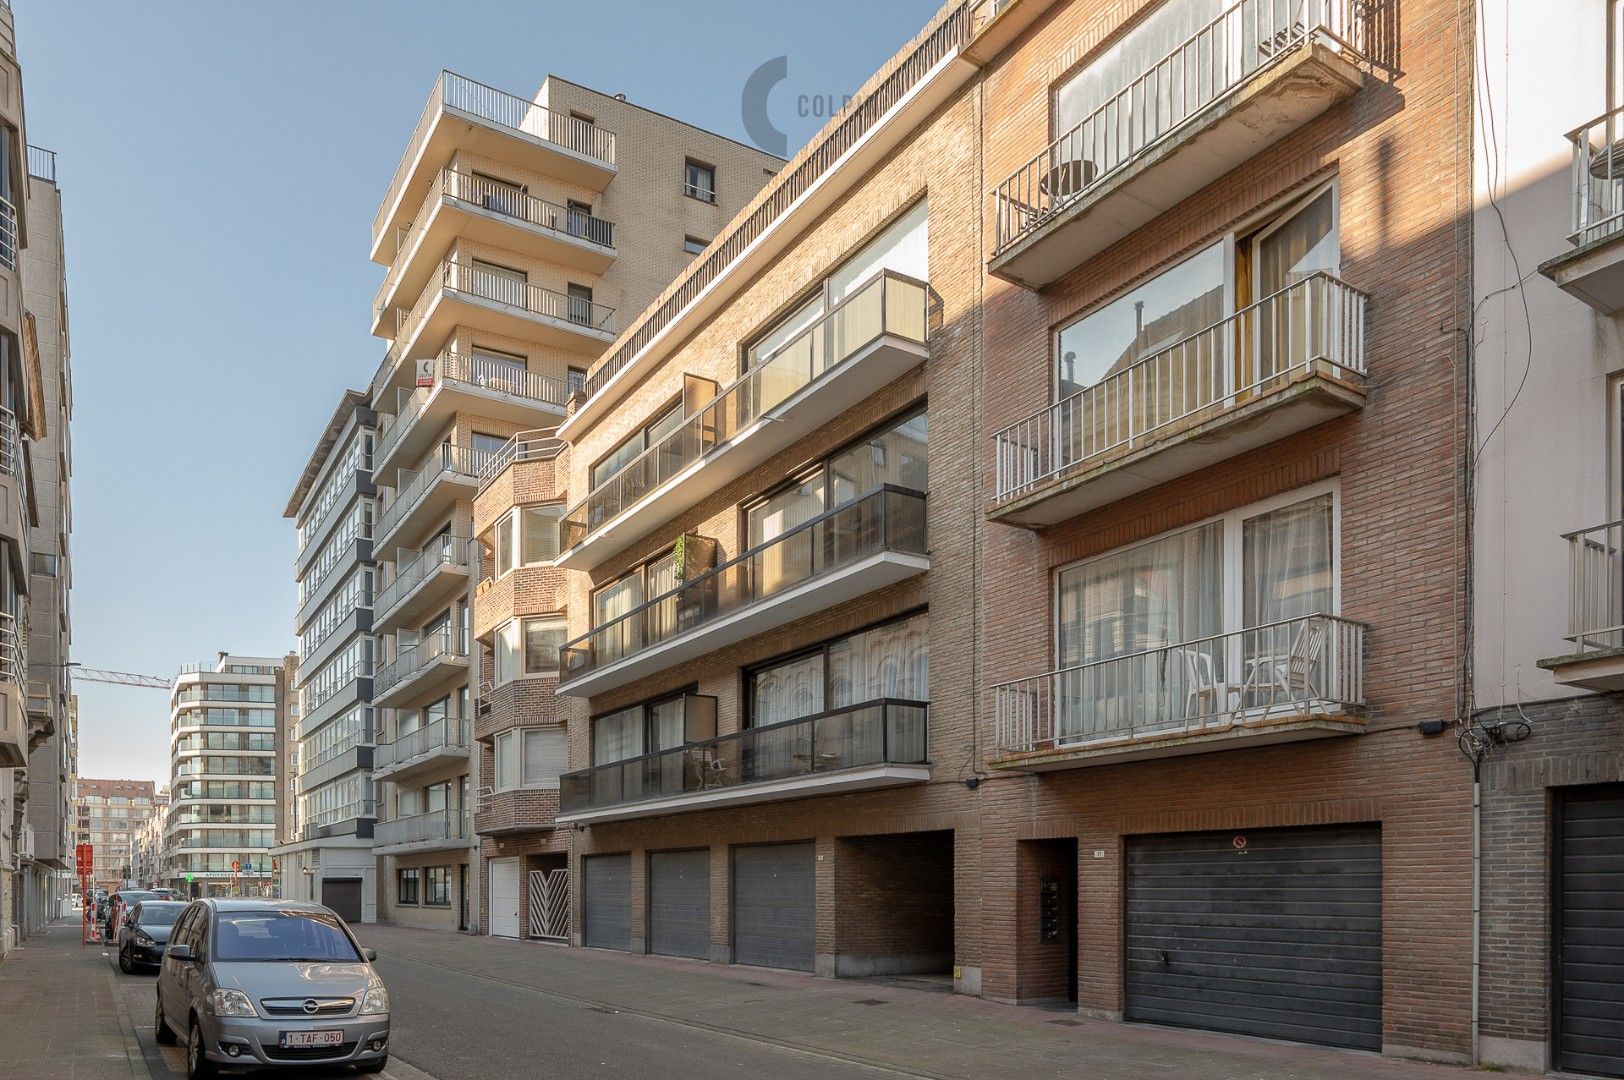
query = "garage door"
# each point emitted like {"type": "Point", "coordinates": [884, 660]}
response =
{"type": "Point", "coordinates": [1589, 923]}
{"type": "Point", "coordinates": [504, 898]}
{"type": "Point", "coordinates": [606, 901]}
{"type": "Point", "coordinates": [343, 895]}
{"type": "Point", "coordinates": [772, 905]}
{"type": "Point", "coordinates": [679, 903]}
{"type": "Point", "coordinates": [1275, 932]}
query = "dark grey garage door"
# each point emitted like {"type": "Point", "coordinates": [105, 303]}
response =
{"type": "Point", "coordinates": [606, 901]}
{"type": "Point", "coordinates": [679, 903]}
{"type": "Point", "coordinates": [1274, 932]}
{"type": "Point", "coordinates": [343, 895]}
{"type": "Point", "coordinates": [772, 905]}
{"type": "Point", "coordinates": [1589, 951]}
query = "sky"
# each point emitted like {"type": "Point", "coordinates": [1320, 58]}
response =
{"type": "Point", "coordinates": [220, 162]}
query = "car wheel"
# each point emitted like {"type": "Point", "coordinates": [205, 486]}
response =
{"type": "Point", "coordinates": [198, 1066]}
{"type": "Point", "coordinates": [125, 963]}
{"type": "Point", "coordinates": [160, 1027]}
{"type": "Point", "coordinates": [374, 1066]}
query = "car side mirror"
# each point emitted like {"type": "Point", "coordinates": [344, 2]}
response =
{"type": "Point", "coordinates": [182, 953]}
{"type": "Point", "coordinates": [370, 954]}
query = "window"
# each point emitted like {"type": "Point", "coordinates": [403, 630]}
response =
{"type": "Point", "coordinates": [575, 380]}
{"type": "Point", "coordinates": [408, 891]}
{"type": "Point", "coordinates": [500, 283]}
{"type": "Point", "coordinates": [44, 564]}
{"type": "Point", "coordinates": [539, 533]}
{"type": "Point", "coordinates": [699, 181]}
{"type": "Point", "coordinates": [504, 545]}
{"type": "Point", "coordinates": [663, 423]}
{"type": "Point", "coordinates": [578, 219]}
{"type": "Point", "coordinates": [531, 758]}
{"type": "Point", "coordinates": [580, 305]}
{"type": "Point", "coordinates": [499, 196]}
{"type": "Point", "coordinates": [693, 245]}
{"type": "Point", "coordinates": [527, 647]}
{"type": "Point", "coordinates": [502, 371]}
{"type": "Point", "coordinates": [640, 729]}
{"type": "Point", "coordinates": [437, 886]}
{"type": "Point", "coordinates": [891, 660]}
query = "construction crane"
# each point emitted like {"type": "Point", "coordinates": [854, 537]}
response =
{"type": "Point", "coordinates": [119, 678]}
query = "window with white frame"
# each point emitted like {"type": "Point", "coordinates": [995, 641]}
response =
{"type": "Point", "coordinates": [528, 646]}
{"type": "Point", "coordinates": [531, 758]}
{"type": "Point", "coordinates": [526, 536]}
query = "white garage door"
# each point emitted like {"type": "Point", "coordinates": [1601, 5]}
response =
{"type": "Point", "coordinates": [505, 898]}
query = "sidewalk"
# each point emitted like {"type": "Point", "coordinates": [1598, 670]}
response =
{"type": "Point", "coordinates": [61, 1016]}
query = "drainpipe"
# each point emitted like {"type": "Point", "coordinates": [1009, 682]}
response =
{"type": "Point", "coordinates": [1477, 901]}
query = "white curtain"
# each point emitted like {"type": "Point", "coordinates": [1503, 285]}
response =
{"type": "Point", "coordinates": [617, 736]}
{"type": "Point", "coordinates": [1288, 563]}
{"type": "Point", "coordinates": [790, 690]}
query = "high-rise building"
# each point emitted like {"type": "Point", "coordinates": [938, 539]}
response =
{"type": "Point", "coordinates": [149, 864]}
{"type": "Point", "coordinates": [112, 815]}
{"type": "Point", "coordinates": [224, 791]}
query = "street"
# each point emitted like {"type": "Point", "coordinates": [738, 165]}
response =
{"type": "Point", "coordinates": [506, 1010]}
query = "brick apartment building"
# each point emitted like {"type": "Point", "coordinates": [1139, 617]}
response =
{"type": "Point", "coordinates": [111, 816]}
{"type": "Point", "coordinates": [913, 630]}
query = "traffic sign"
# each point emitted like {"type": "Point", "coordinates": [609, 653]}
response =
{"type": "Point", "coordinates": [234, 866]}
{"type": "Point", "coordinates": [248, 868]}
{"type": "Point", "coordinates": [85, 858]}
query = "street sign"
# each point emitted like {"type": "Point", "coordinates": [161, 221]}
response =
{"type": "Point", "coordinates": [188, 877]}
{"type": "Point", "coordinates": [234, 866]}
{"type": "Point", "coordinates": [248, 868]}
{"type": "Point", "coordinates": [85, 858]}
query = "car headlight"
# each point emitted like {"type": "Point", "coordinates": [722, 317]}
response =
{"type": "Point", "coordinates": [376, 1002]}
{"type": "Point", "coordinates": [232, 1003]}
{"type": "Point", "coordinates": [144, 941]}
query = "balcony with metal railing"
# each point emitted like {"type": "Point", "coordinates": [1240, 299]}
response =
{"type": "Point", "coordinates": [422, 751]}
{"type": "Point", "coordinates": [1250, 77]}
{"type": "Point", "coordinates": [464, 116]}
{"type": "Point", "coordinates": [437, 830]}
{"type": "Point", "coordinates": [435, 662]}
{"type": "Point", "coordinates": [540, 444]}
{"type": "Point", "coordinates": [1286, 681]}
{"type": "Point", "coordinates": [423, 584]}
{"type": "Point", "coordinates": [1595, 610]}
{"type": "Point", "coordinates": [843, 554]}
{"type": "Point", "coordinates": [495, 388]}
{"type": "Point", "coordinates": [1282, 365]}
{"type": "Point", "coordinates": [875, 744]}
{"type": "Point", "coordinates": [429, 490]}
{"type": "Point", "coordinates": [14, 732]}
{"type": "Point", "coordinates": [867, 341]}
{"type": "Point", "coordinates": [1593, 271]}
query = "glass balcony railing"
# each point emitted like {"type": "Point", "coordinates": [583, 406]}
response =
{"type": "Point", "coordinates": [890, 304]}
{"type": "Point", "coordinates": [875, 733]}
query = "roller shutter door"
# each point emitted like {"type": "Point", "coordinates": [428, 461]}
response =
{"type": "Point", "coordinates": [679, 903]}
{"type": "Point", "coordinates": [1273, 932]}
{"type": "Point", "coordinates": [504, 898]}
{"type": "Point", "coordinates": [607, 901]}
{"type": "Point", "coordinates": [1589, 923]}
{"type": "Point", "coordinates": [343, 895]}
{"type": "Point", "coordinates": [772, 905]}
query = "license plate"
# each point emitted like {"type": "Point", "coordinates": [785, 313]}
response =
{"type": "Point", "coordinates": [294, 1039]}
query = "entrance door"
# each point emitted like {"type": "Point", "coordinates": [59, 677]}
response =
{"type": "Point", "coordinates": [504, 917]}
{"type": "Point", "coordinates": [773, 905]}
{"type": "Point", "coordinates": [679, 903]}
{"type": "Point", "coordinates": [1588, 923]}
{"type": "Point", "coordinates": [343, 895]}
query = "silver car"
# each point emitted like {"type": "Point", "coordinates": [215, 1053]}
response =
{"type": "Point", "coordinates": [268, 984]}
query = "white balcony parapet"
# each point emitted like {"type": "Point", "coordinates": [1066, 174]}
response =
{"type": "Point", "coordinates": [434, 827]}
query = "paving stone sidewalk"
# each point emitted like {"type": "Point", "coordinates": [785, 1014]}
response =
{"type": "Point", "coordinates": [61, 1015]}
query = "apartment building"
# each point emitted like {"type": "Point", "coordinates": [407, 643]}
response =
{"type": "Point", "coordinates": [225, 715]}
{"type": "Point", "coordinates": [325, 849]}
{"type": "Point", "coordinates": [1548, 663]}
{"type": "Point", "coordinates": [111, 817]}
{"type": "Point", "coordinates": [52, 764]}
{"type": "Point", "coordinates": [908, 633]}
{"type": "Point", "coordinates": [29, 720]}
{"type": "Point", "coordinates": [150, 864]}
{"type": "Point", "coordinates": [517, 233]}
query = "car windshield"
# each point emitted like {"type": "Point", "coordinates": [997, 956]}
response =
{"type": "Point", "coordinates": [158, 912]}
{"type": "Point", "coordinates": [128, 898]}
{"type": "Point", "coordinates": [275, 934]}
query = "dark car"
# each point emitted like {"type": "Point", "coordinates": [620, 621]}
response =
{"type": "Point", "coordinates": [145, 932]}
{"type": "Point", "coordinates": [119, 903]}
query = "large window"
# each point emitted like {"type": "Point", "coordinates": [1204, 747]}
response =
{"type": "Point", "coordinates": [409, 879]}
{"type": "Point", "coordinates": [666, 421]}
{"type": "Point", "coordinates": [437, 886]}
{"type": "Point", "coordinates": [531, 758]}
{"type": "Point", "coordinates": [526, 536]}
{"type": "Point", "coordinates": [638, 730]}
{"type": "Point", "coordinates": [891, 660]}
{"type": "Point", "coordinates": [528, 647]}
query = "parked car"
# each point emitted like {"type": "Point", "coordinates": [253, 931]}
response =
{"type": "Point", "coordinates": [119, 903]}
{"type": "Point", "coordinates": [166, 894]}
{"type": "Point", "coordinates": [144, 933]}
{"type": "Point", "coordinates": [265, 983]}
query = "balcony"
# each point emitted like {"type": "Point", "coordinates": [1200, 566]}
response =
{"type": "Point", "coordinates": [1595, 610]}
{"type": "Point", "coordinates": [1249, 78]}
{"type": "Point", "coordinates": [438, 830]}
{"type": "Point", "coordinates": [1288, 681]}
{"type": "Point", "coordinates": [466, 116]}
{"type": "Point", "coordinates": [1594, 270]}
{"type": "Point", "coordinates": [494, 389]}
{"type": "Point", "coordinates": [538, 444]}
{"type": "Point", "coordinates": [1285, 364]}
{"type": "Point", "coordinates": [467, 206]}
{"type": "Point", "coordinates": [14, 732]}
{"type": "Point", "coordinates": [424, 584]}
{"type": "Point", "coordinates": [14, 496]}
{"type": "Point", "coordinates": [841, 555]}
{"type": "Point", "coordinates": [449, 473]}
{"type": "Point", "coordinates": [434, 663]}
{"type": "Point", "coordinates": [516, 811]}
{"type": "Point", "coordinates": [417, 752]}
{"type": "Point", "coordinates": [482, 300]}
{"type": "Point", "coordinates": [876, 744]}
{"type": "Point", "coordinates": [870, 339]}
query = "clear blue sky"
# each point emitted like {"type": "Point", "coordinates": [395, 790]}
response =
{"type": "Point", "coordinates": [221, 162]}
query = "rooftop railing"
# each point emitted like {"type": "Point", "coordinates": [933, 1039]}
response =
{"type": "Point", "coordinates": [540, 444]}
{"type": "Point", "coordinates": [1598, 178]}
{"type": "Point", "coordinates": [450, 733]}
{"type": "Point", "coordinates": [1283, 670]}
{"type": "Point", "coordinates": [874, 733]}
{"type": "Point", "coordinates": [445, 460]}
{"type": "Point", "coordinates": [888, 519]}
{"type": "Point", "coordinates": [888, 304]}
{"type": "Point", "coordinates": [450, 551]}
{"type": "Point", "coordinates": [1215, 60]}
{"type": "Point", "coordinates": [42, 163]}
{"type": "Point", "coordinates": [1317, 321]}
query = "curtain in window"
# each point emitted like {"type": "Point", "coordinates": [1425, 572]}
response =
{"type": "Point", "coordinates": [609, 604]}
{"type": "Point", "coordinates": [789, 690]}
{"type": "Point", "coordinates": [896, 456]}
{"type": "Point", "coordinates": [542, 640]}
{"type": "Point", "coordinates": [789, 561]}
{"type": "Point", "coordinates": [661, 576]}
{"type": "Point", "coordinates": [539, 533]}
{"type": "Point", "coordinates": [617, 736]}
{"type": "Point", "coordinates": [507, 761]}
{"type": "Point", "coordinates": [546, 756]}
{"type": "Point", "coordinates": [1287, 571]}
{"type": "Point", "coordinates": [1292, 328]}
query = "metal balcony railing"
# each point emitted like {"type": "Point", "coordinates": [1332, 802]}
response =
{"type": "Point", "coordinates": [8, 234]}
{"type": "Point", "coordinates": [482, 372]}
{"type": "Point", "coordinates": [1596, 586]}
{"type": "Point", "coordinates": [450, 551]}
{"type": "Point", "coordinates": [1598, 178]}
{"type": "Point", "coordinates": [874, 733]}
{"type": "Point", "coordinates": [423, 828]}
{"type": "Point", "coordinates": [448, 734]}
{"type": "Point", "coordinates": [1213, 62]}
{"type": "Point", "coordinates": [415, 658]}
{"type": "Point", "coordinates": [10, 449]}
{"type": "Point", "coordinates": [42, 163]}
{"type": "Point", "coordinates": [504, 289]}
{"type": "Point", "coordinates": [1319, 320]}
{"type": "Point", "coordinates": [1281, 670]}
{"type": "Point", "coordinates": [12, 668]}
{"type": "Point", "coordinates": [511, 202]}
{"type": "Point", "coordinates": [889, 304]}
{"type": "Point", "coordinates": [447, 460]}
{"type": "Point", "coordinates": [888, 519]}
{"type": "Point", "coordinates": [539, 444]}
{"type": "Point", "coordinates": [358, 808]}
